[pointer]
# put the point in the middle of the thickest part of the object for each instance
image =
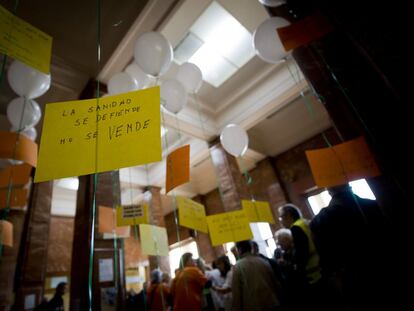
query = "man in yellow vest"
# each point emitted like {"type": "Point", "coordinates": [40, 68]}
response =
{"type": "Point", "coordinates": [305, 257]}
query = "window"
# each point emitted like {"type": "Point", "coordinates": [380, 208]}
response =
{"type": "Point", "coordinates": [359, 187]}
{"type": "Point", "coordinates": [262, 235]}
{"type": "Point", "coordinates": [178, 249]}
{"type": "Point", "coordinates": [217, 43]}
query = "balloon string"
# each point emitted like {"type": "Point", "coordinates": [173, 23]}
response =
{"type": "Point", "coordinates": [205, 136]}
{"type": "Point", "coordinates": [308, 103]}
{"type": "Point", "coordinates": [5, 214]}
{"type": "Point", "coordinates": [95, 176]}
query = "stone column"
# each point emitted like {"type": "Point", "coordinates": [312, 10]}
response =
{"type": "Point", "coordinates": [232, 183]}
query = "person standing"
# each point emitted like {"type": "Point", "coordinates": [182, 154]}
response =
{"type": "Point", "coordinates": [56, 303]}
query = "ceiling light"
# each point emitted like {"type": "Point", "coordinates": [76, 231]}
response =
{"type": "Point", "coordinates": [217, 43]}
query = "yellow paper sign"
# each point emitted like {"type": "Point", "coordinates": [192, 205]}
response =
{"type": "Point", "coordinates": [106, 224]}
{"type": "Point", "coordinates": [258, 211]}
{"type": "Point", "coordinates": [178, 167]}
{"type": "Point", "coordinates": [191, 214]}
{"type": "Point", "coordinates": [154, 240]}
{"type": "Point", "coordinates": [17, 197]}
{"type": "Point", "coordinates": [229, 227]}
{"type": "Point", "coordinates": [6, 233]}
{"type": "Point", "coordinates": [131, 215]}
{"type": "Point", "coordinates": [88, 136]}
{"type": "Point", "coordinates": [22, 41]}
{"type": "Point", "coordinates": [342, 163]}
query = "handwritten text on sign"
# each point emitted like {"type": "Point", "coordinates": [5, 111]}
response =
{"type": "Point", "coordinates": [191, 214]}
{"type": "Point", "coordinates": [92, 136]}
{"type": "Point", "coordinates": [22, 41]}
{"type": "Point", "coordinates": [258, 211]}
{"type": "Point", "coordinates": [229, 227]}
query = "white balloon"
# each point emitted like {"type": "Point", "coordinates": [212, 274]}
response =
{"type": "Point", "coordinates": [173, 95]}
{"type": "Point", "coordinates": [139, 75]}
{"type": "Point", "coordinates": [153, 53]}
{"type": "Point", "coordinates": [272, 3]}
{"type": "Point", "coordinates": [190, 76]}
{"type": "Point", "coordinates": [23, 113]}
{"type": "Point", "coordinates": [266, 41]}
{"type": "Point", "coordinates": [27, 81]}
{"type": "Point", "coordinates": [234, 140]}
{"type": "Point", "coordinates": [30, 132]}
{"type": "Point", "coordinates": [122, 82]}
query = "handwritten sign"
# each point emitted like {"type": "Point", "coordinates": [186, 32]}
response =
{"type": "Point", "coordinates": [18, 147]}
{"type": "Point", "coordinates": [178, 167]}
{"type": "Point", "coordinates": [17, 197]}
{"type": "Point", "coordinates": [106, 224]}
{"type": "Point", "coordinates": [6, 233]}
{"type": "Point", "coordinates": [88, 136]}
{"type": "Point", "coordinates": [154, 240]}
{"type": "Point", "coordinates": [258, 211]}
{"type": "Point", "coordinates": [191, 214]}
{"type": "Point", "coordinates": [22, 41]}
{"type": "Point", "coordinates": [342, 163]}
{"type": "Point", "coordinates": [15, 175]}
{"type": "Point", "coordinates": [131, 215]}
{"type": "Point", "coordinates": [229, 227]}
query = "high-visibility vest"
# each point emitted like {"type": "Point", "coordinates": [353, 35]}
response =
{"type": "Point", "coordinates": [313, 269]}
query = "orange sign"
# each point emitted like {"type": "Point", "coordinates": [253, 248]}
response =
{"type": "Point", "coordinates": [6, 233]}
{"type": "Point", "coordinates": [107, 222]}
{"type": "Point", "coordinates": [304, 31]}
{"type": "Point", "coordinates": [18, 197]}
{"type": "Point", "coordinates": [178, 168]}
{"type": "Point", "coordinates": [342, 163]}
{"type": "Point", "coordinates": [18, 148]}
{"type": "Point", "coordinates": [15, 175]}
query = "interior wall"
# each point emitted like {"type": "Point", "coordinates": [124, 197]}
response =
{"type": "Point", "coordinates": [294, 171]}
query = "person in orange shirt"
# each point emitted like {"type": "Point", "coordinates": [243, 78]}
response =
{"type": "Point", "coordinates": [187, 286]}
{"type": "Point", "coordinates": [158, 294]}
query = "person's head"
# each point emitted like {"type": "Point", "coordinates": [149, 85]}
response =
{"type": "Point", "coordinates": [156, 275]}
{"type": "Point", "coordinates": [255, 248]}
{"type": "Point", "coordinates": [165, 278]}
{"type": "Point", "coordinates": [284, 239]}
{"type": "Point", "coordinates": [61, 289]}
{"type": "Point", "coordinates": [244, 247]}
{"type": "Point", "coordinates": [187, 261]}
{"type": "Point", "coordinates": [223, 264]}
{"type": "Point", "coordinates": [288, 214]}
{"type": "Point", "coordinates": [235, 252]}
{"type": "Point", "coordinates": [339, 189]}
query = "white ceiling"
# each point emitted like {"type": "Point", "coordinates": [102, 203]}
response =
{"type": "Point", "coordinates": [260, 97]}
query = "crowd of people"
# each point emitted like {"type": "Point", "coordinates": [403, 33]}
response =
{"type": "Point", "coordinates": [330, 263]}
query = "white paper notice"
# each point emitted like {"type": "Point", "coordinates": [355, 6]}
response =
{"type": "Point", "coordinates": [106, 270]}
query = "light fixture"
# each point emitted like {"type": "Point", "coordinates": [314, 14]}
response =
{"type": "Point", "coordinates": [217, 43]}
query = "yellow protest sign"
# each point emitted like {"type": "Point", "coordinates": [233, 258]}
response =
{"type": "Point", "coordinates": [22, 41]}
{"type": "Point", "coordinates": [229, 227]}
{"type": "Point", "coordinates": [91, 136]}
{"type": "Point", "coordinates": [258, 211]}
{"type": "Point", "coordinates": [154, 240]}
{"type": "Point", "coordinates": [191, 214]}
{"type": "Point", "coordinates": [131, 215]}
